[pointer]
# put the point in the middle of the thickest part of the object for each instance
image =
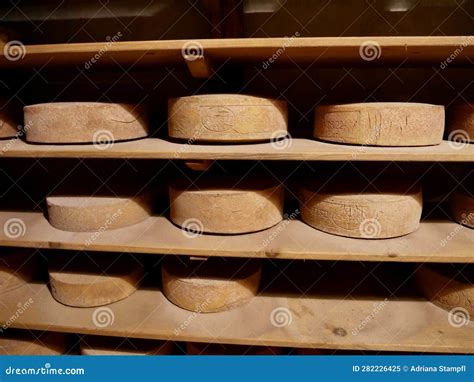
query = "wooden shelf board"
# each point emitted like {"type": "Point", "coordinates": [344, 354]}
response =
{"type": "Point", "coordinates": [288, 240]}
{"type": "Point", "coordinates": [318, 50]}
{"type": "Point", "coordinates": [320, 322]}
{"type": "Point", "coordinates": [299, 149]}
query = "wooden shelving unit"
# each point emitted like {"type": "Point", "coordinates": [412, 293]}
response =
{"type": "Point", "coordinates": [296, 150]}
{"type": "Point", "coordinates": [288, 240]}
{"type": "Point", "coordinates": [320, 321]}
{"type": "Point", "coordinates": [315, 50]}
{"type": "Point", "coordinates": [330, 319]}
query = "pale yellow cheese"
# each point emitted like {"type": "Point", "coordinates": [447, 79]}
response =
{"type": "Point", "coordinates": [226, 118]}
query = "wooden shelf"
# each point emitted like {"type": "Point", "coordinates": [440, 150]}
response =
{"type": "Point", "coordinates": [288, 240]}
{"type": "Point", "coordinates": [299, 149]}
{"type": "Point", "coordinates": [321, 321]}
{"type": "Point", "coordinates": [318, 50]}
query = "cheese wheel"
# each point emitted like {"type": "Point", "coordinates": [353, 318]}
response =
{"type": "Point", "coordinates": [23, 342]}
{"type": "Point", "coordinates": [81, 281]}
{"type": "Point", "coordinates": [462, 208]}
{"type": "Point", "coordinates": [227, 118]}
{"type": "Point", "coordinates": [84, 122]}
{"type": "Point", "coordinates": [226, 206]}
{"type": "Point", "coordinates": [8, 121]}
{"type": "Point", "coordinates": [211, 285]}
{"type": "Point", "coordinates": [97, 213]}
{"type": "Point", "coordinates": [380, 124]}
{"type": "Point", "coordinates": [16, 268]}
{"type": "Point", "coordinates": [383, 211]}
{"type": "Point", "coordinates": [98, 345]}
{"type": "Point", "coordinates": [194, 348]}
{"type": "Point", "coordinates": [448, 286]}
{"type": "Point", "coordinates": [460, 124]}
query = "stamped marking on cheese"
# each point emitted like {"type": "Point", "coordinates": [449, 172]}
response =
{"type": "Point", "coordinates": [222, 118]}
{"type": "Point", "coordinates": [217, 118]}
{"type": "Point", "coordinates": [350, 120]}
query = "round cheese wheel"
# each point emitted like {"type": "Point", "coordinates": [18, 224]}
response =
{"type": "Point", "coordinates": [380, 124]}
{"type": "Point", "coordinates": [345, 209]}
{"type": "Point", "coordinates": [460, 125]}
{"type": "Point", "coordinates": [227, 118]}
{"type": "Point", "coordinates": [195, 348]}
{"type": "Point", "coordinates": [448, 286]}
{"type": "Point", "coordinates": [226, 206]}
{"type": "Point", "coordinates": [23, 342]}
{"type": "Point", "coordinates": [17, 268]}
{"type": "Point", "coordinates": [81, 281]}
{"type": "Point", "coordinates": [97, 213]}
{"type": "Point", "coordinates": [8, 122]}
{"type": "Point", "coordinates": [462, 208]}
{"type": "Point", "coordinates": [96, 345]}
{"type": "Point", "coordinates": [211, 285]}
{"type": "Point", "coordinates": [84, 122]}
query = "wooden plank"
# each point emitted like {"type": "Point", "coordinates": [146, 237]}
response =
{"type": "Point", "coordinates": [319, 50]}
{"type": "Point", "coordinates": [434, 241]}
{"type": "Point", "coordinates": [299, 149]}
{"type": "Point", "coordinates": [318, 320]}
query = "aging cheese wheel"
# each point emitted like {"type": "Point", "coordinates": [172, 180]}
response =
{"type": "Point", "coordinates": [211, 285]}
{"type": "Point", "coordinates": [380, 124]}
{"type": "Point", "coordinates": [8, 121]}
{"type": "Point", "coordinates": [97, 213]}
{"type": "Point", "coordinates": [371, 212]}
{"type": "Point", "coordinates": [449, 286]}
{"type": "Point", "coordinates": [98, 345]}
{"type": "Point", "coordinates": [225, 205]}
{"type": "Point", "coordinates": [23, 342]}
{"type": "Point", "coordinates": [83, 281]}
{"type": "Point", "coordinates": [84, 122]}
{"type": "Point", "coordinates": [226, 118]}
{"type": "Point", "coordinates": [195, 348]}
{"type": "Point", "coordinates": [17, 267]}
{"type": "Point", "coordinates": [460, 125]}
{"type": "Point", "coordinates": [462, 208]}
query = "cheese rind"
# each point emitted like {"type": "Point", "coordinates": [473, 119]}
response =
{"type": "Point", "coordinates": [84, 122]}
{"type": "Point", "coordinates": [213, 208]}
{"type": "Point", "coordinates": [8, 122]}
{"type": "Point", "coordinates": [362, 214]}
{"type": "Point", "coordinates": [380, 124]}
{"type": "Point", "coordinates": [97, 213]}
{"type": "Point", "coordinates": [84, 282]}
{"type": "Point", "coordinates": [226, 118]}
{"type": "Point", "coordinates": [16, 268]}
{"type": "Point", "coordinates": [211, 285]}
{"type": "Point", "coordinates": [448, 287]}
{"type": "Point", "coordinates": [462, 208]}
